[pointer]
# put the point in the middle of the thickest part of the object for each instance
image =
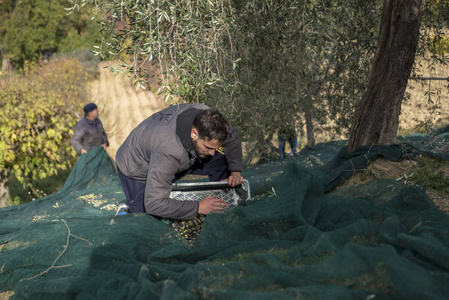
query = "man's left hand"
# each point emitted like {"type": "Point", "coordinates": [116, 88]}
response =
{"type": "Point", "coordinates": [235, 179]}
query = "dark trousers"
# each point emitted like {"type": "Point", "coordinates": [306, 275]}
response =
{"type": "Point", "coordinates": [215, 167]}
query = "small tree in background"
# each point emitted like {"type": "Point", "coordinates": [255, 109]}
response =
{"type": "Point", "coordinates": [38, 113]}
{"type": "Point", "coordinates": [30, 29]}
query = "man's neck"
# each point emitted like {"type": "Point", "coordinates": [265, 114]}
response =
{"type": "Point", "coordinates": [90, 118]}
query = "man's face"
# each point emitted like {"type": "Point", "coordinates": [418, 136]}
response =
{"type": "Point", "coordinates": [204, 148]}
{"type": "Point", "coordinates": [94, 114]}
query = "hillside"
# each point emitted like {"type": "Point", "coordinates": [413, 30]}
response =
{"type": "Point", "coordinates": [121, 107]}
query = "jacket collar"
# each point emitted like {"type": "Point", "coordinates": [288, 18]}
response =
{"type": "Point", "coordinates": [91, 122]}
{"type": "Point", "coordinates": [184, 123]}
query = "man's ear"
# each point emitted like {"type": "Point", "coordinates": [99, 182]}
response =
{"type": "Point", "coordinates": [194, 133]}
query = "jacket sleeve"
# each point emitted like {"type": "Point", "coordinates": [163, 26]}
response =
{"type": "Point", "coordinates": [104, 135]}
{"type": "Point", "coordinates": [78, 133]}
{"type": "Point", "coordinates": [161, 173]}
{"type": "Point", "coordinates": [233, 151]}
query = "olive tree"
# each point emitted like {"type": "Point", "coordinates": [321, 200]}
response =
{"type": "Point", "coordinates": [377, 117]}
{"type": "Point", "coordinates": [265, 64]}
{"type": "Point", "coordinates": [302, 62]}
{"type": "Point", "coordinates": [182, 39]}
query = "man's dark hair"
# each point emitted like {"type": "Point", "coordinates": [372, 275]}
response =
{"type": "Point", "coordinates": [211, 125]}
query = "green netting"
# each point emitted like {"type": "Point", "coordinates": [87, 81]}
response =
{"type": "Point", "coordinates": [380, 240]}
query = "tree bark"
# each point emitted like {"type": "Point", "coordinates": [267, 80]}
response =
{"type": "Point", "coordinates": [6, 66]}
{"type": "Point", "coordinates": [376, 119]}
{"type": "Point", "coordinates": [309, 124]}
{"type": "Point", "coordinates": [4, 189]}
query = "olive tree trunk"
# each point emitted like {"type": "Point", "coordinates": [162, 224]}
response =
{"type": "Point", "coordinates": [309, 123]}
{"type": "Point", "coordinates": [4, 189]}
{"type": "Point", "coordinates": [377, 118]}
{"type": "Point", "coordinates": [6, 66]}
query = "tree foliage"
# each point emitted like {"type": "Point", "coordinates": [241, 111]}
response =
{"type": "Point", "coordinates": [38, 113]}
{"type": "Point", "coordinates": [300, 61]}
{"type": "Point", "coordinates": [265, 63]}
{"type": "Point", "coordinates": [31, 28]}
{"type": "Point", "coordinates": [434, 36]}
{"type": "Point", "coordinates": [184, 39]}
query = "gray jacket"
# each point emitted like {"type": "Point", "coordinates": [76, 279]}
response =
{"type": "Point", "coordinates": [160, 147]}
{"type": "Point", "coordinates": [88, 135]}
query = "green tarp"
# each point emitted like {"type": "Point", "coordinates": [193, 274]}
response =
{"type": "Point", "coordinates": [297, 239]}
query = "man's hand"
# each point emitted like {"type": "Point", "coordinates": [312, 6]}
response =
{"type": "Point", "coordinates": [235, 179]}
{"type": "Point", "coordinates": [211, 204]}
{"type": "Point", "coordinates": [104, 146]}
{"type": "Point", "coordinates": [83, 151]}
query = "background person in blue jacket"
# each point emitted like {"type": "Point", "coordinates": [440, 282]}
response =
{"type": "Point", "coordinates": [179, 140]}
{"type": "Point", "coordinates": [89, 132]}
{"type": "Point", "coordinates": [289, 135]}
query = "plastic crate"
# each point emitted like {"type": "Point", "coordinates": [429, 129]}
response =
{"type": "Point", "coordinates": [196, 191]}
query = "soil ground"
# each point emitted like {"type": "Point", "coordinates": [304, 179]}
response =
{"type": "Point", "coordinates": [407, 171]}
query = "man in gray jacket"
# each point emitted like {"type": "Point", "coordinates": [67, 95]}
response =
{"type": "Point", "coordinates": [179, 140]}
{"type": "Point", "coordinates": [89, 132]}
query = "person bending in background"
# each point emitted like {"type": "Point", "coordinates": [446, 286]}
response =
{"type": "Point", "coordinates": [179, 140]}
{"type": "Point", "coordinates": [89, 132]}
{"type": "Point", "coordinates": [287, 135]}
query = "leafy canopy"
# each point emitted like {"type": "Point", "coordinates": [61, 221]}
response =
{"type": "Point", "coordinates": [38, 112]}
{"type": "Point", "coordinates": [32, 28]}
{"type": "Point", "coordinates": [265, 64]}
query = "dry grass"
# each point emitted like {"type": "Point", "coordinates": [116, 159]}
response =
{"type": "Point", "coordinates": [6, 295]}
{"type": "Point", "coordinates": [417, 113]}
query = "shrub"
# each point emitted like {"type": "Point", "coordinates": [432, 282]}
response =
{"type": "Point", "coordinates": [39, 111]}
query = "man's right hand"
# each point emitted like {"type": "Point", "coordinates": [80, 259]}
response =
{"type": "Point", "coordinates": [211, 204]}
{"type": "Point", "coordinates": [83, 151]}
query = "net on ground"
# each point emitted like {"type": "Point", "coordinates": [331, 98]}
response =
{"type": "Point", "coordinates": [295, 239]}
